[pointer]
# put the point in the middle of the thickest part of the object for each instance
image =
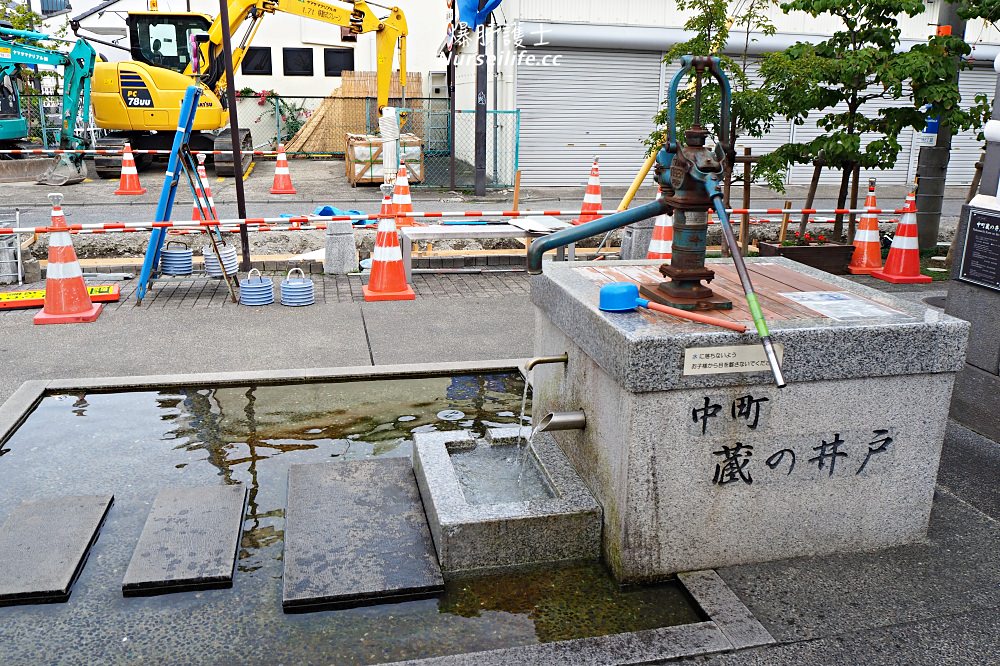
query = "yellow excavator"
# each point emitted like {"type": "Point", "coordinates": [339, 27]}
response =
{"type": "Point", "coordinates": [139, 99]}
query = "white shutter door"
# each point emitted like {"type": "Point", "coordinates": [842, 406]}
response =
{"type": "Point", "coordinates": [965, 147]}
{"type": "Point", "coordinates": [591, 103]}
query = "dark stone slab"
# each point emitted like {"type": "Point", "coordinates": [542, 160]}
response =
{"type": "Point", "coordinates": [980, 307]}
{"type": "Point", "coordinates": [44, 545]}
{"type": "Point", "coordinates": [974, 401]}
{"type": "Point", "coordinates": [970, 466]}
{"type": "Point", "coordinates": [355, 534]}
{"type": "Point", "coordinates": [189, 541]}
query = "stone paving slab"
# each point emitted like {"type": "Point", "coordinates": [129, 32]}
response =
{"type": "Point", "coordinates": [355, 533]}
{"type": "Point", "coordinates": [44, 545]}
{"type": "Point", "coordinates": [189, 541]}
{"type": "Point", "coordinates": [725, 608]}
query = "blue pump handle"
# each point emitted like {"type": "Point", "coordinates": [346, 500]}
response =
{"type": "Point", "coordinates": [713, 66]}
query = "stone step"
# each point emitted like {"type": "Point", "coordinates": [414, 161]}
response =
{"type": "Point", "coordinates": [189, 541]}
{"type": "Point", "coordinates": [355, 534]}
{"type": "Point", "coordinates": [44, 545]}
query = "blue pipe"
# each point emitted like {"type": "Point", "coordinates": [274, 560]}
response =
{"type": "Point", "coordinates": [562, 238]}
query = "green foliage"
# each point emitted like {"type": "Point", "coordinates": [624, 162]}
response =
{"type": "Point", "coordinates": [988, 10]}
{"type": "Point", "coordinates": [849, 77]}
{"type": "Point", "coordinates": [712, 22]}
{"type": "Point", "coordinates": [20, 17]}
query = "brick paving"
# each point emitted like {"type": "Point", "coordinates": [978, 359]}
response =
{"type": "Point", "coordinates": [202, 292]}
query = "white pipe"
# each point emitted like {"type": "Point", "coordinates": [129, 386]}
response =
{"type": "Point", "coordinates": [643, 38]}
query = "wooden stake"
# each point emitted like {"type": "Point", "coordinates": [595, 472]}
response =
{"type": "Point", "coordinates": [851, 221]}
{"type": "Point", "coordinates": [745, 221]}
{"type": "Point", "coordinates": [517, 189]}
{"type": "Point", "coordinates": [785, 219]}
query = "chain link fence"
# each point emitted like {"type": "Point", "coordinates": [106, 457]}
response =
{"type": "Point", "coordinates": [318, 126]}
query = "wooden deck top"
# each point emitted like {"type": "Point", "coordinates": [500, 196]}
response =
{"type": "Point", "coordinates": [769, 282]}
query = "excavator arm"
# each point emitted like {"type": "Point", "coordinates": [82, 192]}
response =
{"type": "Point", "coordinates": [77, 67]}
{"type": "Point", "coordinates": [359, 19]}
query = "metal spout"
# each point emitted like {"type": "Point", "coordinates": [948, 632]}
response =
{"type": "Point", "coordinates": [562, 358]}
{"type": "Point", "coordinates": [562, 421]}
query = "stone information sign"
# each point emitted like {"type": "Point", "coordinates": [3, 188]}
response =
{"type": "Point", "coordinates": [731, 358]}
{"type": "Point", "coordinates": [981, 258]}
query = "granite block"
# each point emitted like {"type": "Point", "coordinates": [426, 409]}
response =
{"type": "Point", "coordinates": [636, 238]}
{"type": "Point", "coordinates": [341, 255]}
{"type": "Point", "coordinates": [725, 609]}
{"type": "Point", "coordinates": [470, 537]}
{"type": "Point", "coordinates": [44, 545]}
{"type": "Point", "coordinates": [637, 647]}
{"type": "Point", "coordinates": [189, 541]}
{"type": "Point", "coordinates": [676, 498]}
{"type": "Point", "coordinates": [355, 533]}
{"type": "Point", "coordinates": [980, 307]}
{"type": "Point", "coordinates": [642, 356]}
{"type": "Point", "coordinates": [974, 402]}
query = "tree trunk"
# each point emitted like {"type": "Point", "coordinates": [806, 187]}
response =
{"type": "Point", "coordinates": [811, 195]}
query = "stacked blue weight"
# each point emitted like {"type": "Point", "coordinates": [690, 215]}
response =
{"type": "Point", "coordinates": [229, 260]}
{"type": "Point", "coordinates": [176, 261]}
{"type": "Point", "coordinates": [256, 290]}
{"type": "Point", "coordinates": [297, 291]}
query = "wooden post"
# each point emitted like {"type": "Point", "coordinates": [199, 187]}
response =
{"type": "Point", "coordinates": [517, 189]}
{"type": "Point", "coordinates": [838, 220]}
{"type": "Point", "coordinates": [852, 218]}
{"type": "Point", "coordinates": [745, 221]}
{"type": "Point", "coordinates": [785, 219]}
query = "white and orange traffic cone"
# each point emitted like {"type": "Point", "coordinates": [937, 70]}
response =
{"type": "Point", "coordinates": [66, 298]}
{"type": "Point", "coordinates": [129, 182]}
{"type": "Point", "coordinates": [203, 199]}
{"type": "Point", "coordinates": [401, 201]}
{"type": "Point", "coordinates": [902, 266]}
{"type": "Point", "coordinates": [592, 197]}
{"type": "Point", "coordinates": [867, 257]}
{"type": "Point", "coordinates": [388, 278]}
{"type": "Point", "coordinates": [282, 177]}
{"type": "Point", "coordinates": [662, 244]}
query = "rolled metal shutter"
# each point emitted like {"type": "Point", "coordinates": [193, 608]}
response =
{"type": "Point", "coordinates": [590, 103]}
{"type": "Point", "coordinates": [965, 147]}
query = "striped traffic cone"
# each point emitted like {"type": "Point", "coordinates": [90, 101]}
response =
{"type": "Point", "coordinates": [388, 279]}
{"type": "Point", "coordinates": [203, 199]}
{"type": "Point", "coordinates": [867, 257]}
{"type": "Point", "coordinates": [129, 182]}
{"type": "Point", "coordinates": [66, 298]}
{"type": "Point", "coordinates": [592, 197]}
{"type": "Point", "coordinates": [282, 177]}
{"type": "Point", "coordinates": [902, 266]}
{"type": "Point", "coordinates": [662, 243]}
{"type": "Point", "coordinates": [401, 201]}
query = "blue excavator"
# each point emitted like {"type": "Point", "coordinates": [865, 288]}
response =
{"type": "Point", "coordinates": [20, 48]}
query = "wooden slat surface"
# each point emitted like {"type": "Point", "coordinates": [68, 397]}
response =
{"type": "Point", "coordinates": [769, 280]}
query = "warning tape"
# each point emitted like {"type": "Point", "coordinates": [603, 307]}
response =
{"type": "Point", "coordinates": [313, 219]}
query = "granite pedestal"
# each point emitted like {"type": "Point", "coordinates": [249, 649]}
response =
{"type": "Point", "coordinates": [341, 255]}
{"type": "Point", "coordinates": [699, 461]}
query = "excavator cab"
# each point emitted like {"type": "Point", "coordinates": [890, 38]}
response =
{"type": "Point", "coordinates": [161, 39]}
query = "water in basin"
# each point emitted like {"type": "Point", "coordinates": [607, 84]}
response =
{"type": "Point", "coordinates": [496, 474]}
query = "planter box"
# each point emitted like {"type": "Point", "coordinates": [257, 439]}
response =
{"type": "Point", "coordinates": [829, 257]}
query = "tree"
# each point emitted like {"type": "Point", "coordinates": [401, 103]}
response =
{"type": "Point", "coordinates": [712, 22]}
{"type": "Point", "coordinates": [20, 16]}
{"type": "Point", "coordinates": [849, 78]}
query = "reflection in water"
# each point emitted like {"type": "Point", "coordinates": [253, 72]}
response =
{"type": "Point", "coordinates": [135, 444]}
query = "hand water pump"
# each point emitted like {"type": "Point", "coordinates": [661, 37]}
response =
{"type": "Point", "coordinates": [690, 177]}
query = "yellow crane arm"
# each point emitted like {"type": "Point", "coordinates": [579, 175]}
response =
{"type": "Point", "coordinates": [359, 19]}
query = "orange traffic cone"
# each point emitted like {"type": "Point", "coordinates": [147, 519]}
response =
{"type": "Point", "coordinates": [401, 201]}
{"type": "Point", "coordinates": [129, 183]}
{"type": "Point", "coordinates": [902, 266]}
{"type": "Point", "coordinates": [388, 279]}
{"type": "Point", "coordinates": [282, 177]}
{"type": "Point", "coordinates": [203, 198]}
{"type": "Point", "coordinates": [387, 208]}
{"type": "Point", "coordinates": [867, 256]}
{"type": "Point", "coordinates": [592, 197]}
{"type": "Point", "coordinates": [661, 246]}
{"type": "Point", "coordinates": [66, 297]}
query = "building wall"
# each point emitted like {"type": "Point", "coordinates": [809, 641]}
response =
{"type": "Point", "coordinates": [426, 25]}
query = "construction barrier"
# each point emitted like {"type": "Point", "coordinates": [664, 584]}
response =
{"type": "Point", "coordinates": [311, 219]}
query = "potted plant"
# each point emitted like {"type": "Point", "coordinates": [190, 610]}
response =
{"type": "Point", "coordinates": [812, 250]}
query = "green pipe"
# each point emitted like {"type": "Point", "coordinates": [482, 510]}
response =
{"type": "Point", "coordinates": [562, 238]}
